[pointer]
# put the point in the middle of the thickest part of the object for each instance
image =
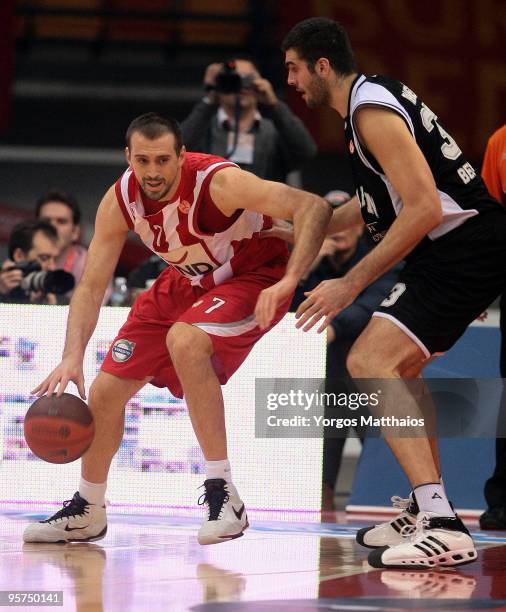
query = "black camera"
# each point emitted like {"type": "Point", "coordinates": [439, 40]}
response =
{"type": "Point", "coordinates": [229, 81]}
{"type": "Point", "coordinates": [50, 281]}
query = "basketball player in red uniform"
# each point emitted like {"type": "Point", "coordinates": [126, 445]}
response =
{"type": "Point", "coordinates": [223, 289]}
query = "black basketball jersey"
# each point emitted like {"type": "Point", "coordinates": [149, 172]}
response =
{"type": "Point", "coordinates": [461, 190]}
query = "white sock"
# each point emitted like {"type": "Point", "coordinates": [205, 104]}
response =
{"type": "Point", "coordinates": [93, 493]}
{"type": "Point", "coordinates": [219, 469]}
{"type": "Point", "coordinates": [431, 497]}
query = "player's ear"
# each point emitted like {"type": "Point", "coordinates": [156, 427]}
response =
{"type": "Point", "coordinates": [127, 155]}
{"type": "Point", "coordinates": [322, 66]}
{"type": "Point", "coordinates": [182, 153]}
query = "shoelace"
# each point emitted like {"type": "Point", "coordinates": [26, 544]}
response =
{"type": "Point", "coordinates": [400, 502]}
{"type": "Point", "coordinates": [71, 507]}
{"type": "Point", "coordinates": [407, 531]}
{"type": "Point", "coordinates": [215, 498]}
{"type": "Point", "coordinates": [414, 532]}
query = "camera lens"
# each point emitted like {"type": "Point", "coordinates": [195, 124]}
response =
{"type": "Point", "coordinates": [56, 281]}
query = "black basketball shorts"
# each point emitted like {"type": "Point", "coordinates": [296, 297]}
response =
{"type": "Point", "coordinates": [450, 283]}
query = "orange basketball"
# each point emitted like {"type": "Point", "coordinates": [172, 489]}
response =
{"type": "Point", "coordinates": [59, 429]}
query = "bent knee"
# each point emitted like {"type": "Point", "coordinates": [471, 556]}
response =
{"type": "Point", "coordinates": [363, 364]}
{"type": "Point", "coordinates": [101, 394]}
{"type": "Point", "coordinates": [185, 341]}
{"type": "Point", "coordinates": [109, 392]}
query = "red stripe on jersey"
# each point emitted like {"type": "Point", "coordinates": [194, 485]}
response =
{"type": "Point", "coordinates": [209, 202]}
{"type": "Point", "coordinates": [122, 204]}
{"type": "Point", "coordinates": [185, 236]}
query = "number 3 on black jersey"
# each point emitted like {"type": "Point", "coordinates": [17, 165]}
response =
{"type": "Point", "coordinates": [397, 290]}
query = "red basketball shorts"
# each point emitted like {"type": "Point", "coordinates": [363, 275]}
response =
{"type": "Point", "coordinates": [225, 312]}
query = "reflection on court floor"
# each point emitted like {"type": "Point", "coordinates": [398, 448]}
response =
{"type": "Point", "coordinates": [155, 563]}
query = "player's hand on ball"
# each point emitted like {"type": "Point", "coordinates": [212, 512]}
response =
{"type": "Point", "coordinates": [271, 298]}
{"type": "Point", "coordinates": [324, 302]}
{"type": "Point", "coordinates": [68, 370]}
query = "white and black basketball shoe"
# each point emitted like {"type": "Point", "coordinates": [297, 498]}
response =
{"type": "Point", "coordinates": [391, 532]}
{"type": "Point", "coordinates": [438, 541]}
{"type": "Point", "coordinates": [227, 518]}
{"type": "Point", "coordinates": [77, 521]}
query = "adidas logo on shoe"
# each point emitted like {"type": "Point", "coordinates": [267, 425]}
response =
{"type": "Point", "coordinates": [394, 531]}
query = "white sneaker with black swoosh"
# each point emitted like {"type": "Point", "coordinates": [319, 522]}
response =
{"type": "Point", "coordinates": [77, 521]}
{"type": "Point", "coordinates": [227, 518]}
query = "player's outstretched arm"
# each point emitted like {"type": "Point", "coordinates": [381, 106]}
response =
{"type": "Point", "coordinates": [232, 188]}
{"type": "Point", "coordinates": [110, 234]}
{"type": "Point", "coordinates": [346, 216]}
{"type": "Point", "coordinates": [388, 138]}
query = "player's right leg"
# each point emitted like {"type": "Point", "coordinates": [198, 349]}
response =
{"type": "Point", "coordinates": [396, 530]}
{"type": "Point", "coordinates": [439, 538]}
{"type": "Point", "coordinates": [81, 520]}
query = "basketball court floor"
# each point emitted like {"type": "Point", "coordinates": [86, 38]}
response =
{"type": "Point", "coordinates": [298, 565]}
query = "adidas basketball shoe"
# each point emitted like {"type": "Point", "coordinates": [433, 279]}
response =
{"type": "Point", "coordinates": [77, 521]}
{"type": "Point", "coordinates": [389, 533]}
{"type": "Point", "coordinates": [227, 518]}
{"type": "Point", "coordinates": [438, 541]}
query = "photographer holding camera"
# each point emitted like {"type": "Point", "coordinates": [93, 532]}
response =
{"type": "Point", "coordinates": [227, 122]}
{"type": "Point", "coordinates": [29, 275]}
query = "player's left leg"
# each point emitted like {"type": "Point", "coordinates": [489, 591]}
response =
{"type": "Point", "coordinates": [207, 345]}
{"type": "Point", "coordinates": [385, 351]}
{"type": "Point", "coordinates": [191, 351]}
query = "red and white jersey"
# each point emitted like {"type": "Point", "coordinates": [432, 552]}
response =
{"type": "Point", "coordinates": [173, 233]}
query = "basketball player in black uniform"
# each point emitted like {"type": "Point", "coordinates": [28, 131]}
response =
{"type": "Point", "coordinates": [423, 202]}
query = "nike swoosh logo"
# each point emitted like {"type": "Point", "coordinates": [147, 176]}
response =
{"type": "Point", "coordinates": [74, 528]}
{"type": "Point", "coordinates": [239, 512]}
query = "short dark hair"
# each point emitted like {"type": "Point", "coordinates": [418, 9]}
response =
{"type": "Point", "coordinates": [62, 197]}
{"type": "Point", "coordinates": [22, 235]}
{"type": "Point", "coordinates": [152, 126]}
{"type": "Point", "coordinates": [321, 37]}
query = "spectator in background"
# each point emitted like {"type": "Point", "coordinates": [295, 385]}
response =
{"type": "Point", "coordinates": [34, 242]}
{"type": "Point", "coordinates": [62, 211]}
{"type": "Point", "coordinates": [339, 253]}
{"type": "Point", "coordinates": [270, 143]}
{"type": "Point", "coordinates": [494, 175]}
